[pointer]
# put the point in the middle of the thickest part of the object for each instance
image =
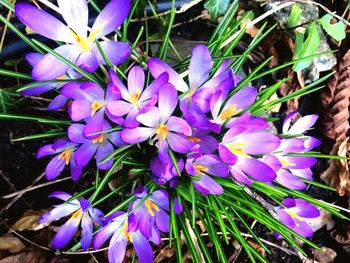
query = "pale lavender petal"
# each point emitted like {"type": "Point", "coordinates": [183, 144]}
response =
{"type": "Point", "coordinates": [243, 98]}
{"type": "Point", "coordinates": [119, 108]}
{"type": "Point", "coordinates": [167, 101]}
{"type": "Point", "coordinates": [136, 80]}
{"type": "Point", "coordinates": [287, 121]}
{"type": "Point", "coordinates": [272, 161]}
{"type": "Point", "coordinates": [117, 247]}
{"type": "Point", "coordinates": [111, 17]}
{"type": "Point", "coordinates": [75, 133]}
{"type": "Point", "coordinates": [116, 52]}
{"type": "Point", "coordinates": [157, 67]}
{"type": "Point", "coordinates": [151, 118]}
{"type": "Point", "coordinates": [232, 132]}
{"type": "Point", "coordinates": [84, 153]}
{"type": "Point", "coordinates": [240, 176]}
{"type": "Point", "coordinates": [79, 110]}
{"type": "Point", "coordinates": [200, 66]}
{"type": "Point", "coordinates": [103, 150]}
{"type": "Point", "coordinates": [176, 124]}
{"type": "Point", "coordinates": [298, 162]}
{"type": "Point", "coordinates": [289, 180]}
{"type": "Point", "coordinates": [257, 169]}
{"type": "Point", "coordinates": [93, 91]}
{"type": "Point", "coordinates": [226, 155]}
{"type": "Point", "coordinates": [207, 185]}
{"type": "Point", "coordinates": [303, 124]}
{"type": "Point", "coordinates": [87, 228]}
{"type": "Point", "coordinates": [142, 247]}
{"type": "Point", "coordinates": [58, 212]}
{"type": "Point", "coordinates": [94, 125]}
{"type": "Point", "coordinates": [50, 67]}
{"type": "Point", "coordinates": [105, 233]}
{"type": "Point", "coordinates": [87, 61]}
{"type": "Point", "coordinates": [311, 143]}
{"type": "Point", "coordinates": [130, 120]}
{"type": "Point", "coordinates": [76, 14]}
{"type": "Point", "coordinates": [291, 145]}
{"type": "Point", "coordinates": [43, 23]}
{"type": "Point", "coordinates": [57, 103]}
{"type": "Point", "coordinates": [305, 173]}
{"type": "Point", "coordinates": [136, 135]}
{"type": "Point", "coordinates": [66, 232]}
{"type": "Point", "coordinates": [154, 87]}
{"type": "Point", "coordinates": [45, 151]}
{"type": "Point", "coordinates": [54, 168]}
{"type": "Point", "coordinates": [161, 198]}
{"type": "Point", "coordinates": [60, 195]}
{"type": "Point", "coordinates": [259, 142]}
{"type": "Point", "coordinates": [179, 143]}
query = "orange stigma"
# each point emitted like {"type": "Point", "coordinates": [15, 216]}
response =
{"type": "Point", "coordinates": [193, 139]}
{"type": "Point", "coordinates": [229, 112]}
{"type": "Point", "coordinates": [151, 206]}
{"type": "Point", "coordinates": [65, 155]}
{"type": "Point", "coordinates": [237, 148]}
{"type": "Point", "coordinates": [134, 97]}
{"type": "Point", "coordinates": [99, 139]}
{"type": "Point", "coordinates": [95, 106]}
{"type": "Point", "coordinates": [201, 169]}
{"type": "Point", "coordinates": [162, 131]}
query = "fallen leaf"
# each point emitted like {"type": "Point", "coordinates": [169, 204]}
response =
{"type": "Point", "coordinates": [26, 257]}
{"type": "Point", "coordinates": [325, 255]}
{"type": "Point", "coordinates": [30, 221]}
{"type": "Point", "coordinates": [165, 253]}
{"type": "Point", "coordinates": [11, 244]}
{"type": "Point", "coordinates": [259, 248]}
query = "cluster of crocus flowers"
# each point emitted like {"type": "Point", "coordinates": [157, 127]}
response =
{"type": "Point", "coordinates": [198, 131]}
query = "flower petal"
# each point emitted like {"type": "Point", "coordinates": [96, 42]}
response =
{"type": "Point", "coordinates": [136, 135]}
{"type": "Point", "coordinates": [58, 212]}
{"type": "Point", "coordinates": [257, 169]}
{"type": "Point", "coordinates": [54, 168]}
{"type": "Point", "coordinates": [79, 110]}
{"type": "Point", "coordinates": [103, 150]}
{"type": "Point", "coordinates": [207, 185]}
{"type": "Point", "coordinates": [179, 143]}
{"type": "Point", "coordinates": [43, 23]}
{"type": "Point", "coordinates": [157, 67]}
{"type": "Point", "coordinates": [154, 87]}
{"type": "Point", "coordinates": [84, 153]}
{"type": "Point", "coordinates": [111, 17]}
{"type": "Point", "coordinates": [162, 221]}
{"type": "Point", "coordinates": [66, 232]}
{"type": "Point", "coordinates": [226, 155]}
{"type": "Point", "coordinates": [117, 247]}
{"type": "Point", "coordinates": [94, 125]}
{"type": "Point", "coordinates": [87, 227]}
{"type": "Point", "coordinates": [151, 118]}
{"type": "Point", "coordinates": [167, 101]}
{"type": "Point", "coordinates": [57, 103]}
{"type": "Point", "coordinates": [143, 248]}
{"type": "Point", "coordinates": [200, 66]}
{"type": "Point", "coordinates": [136, 80]}
{"type": "Point", "coordinates": [87, 61]}
{"type": "Point", "coordinates": [119, 107]}
{"type": "Point", "coordinates": [75, 170]}
{"type": "Point", "coordinates": [117, 52]}
{"type": "Point", "coordinates": [45, 151]}
{"type": "Point", "coordinates": [50, 67]}
{"type": "Point", "coordinates": [75, 133]}
{"type": "Point", "coordinates": [37, 90]}
{"type": "Point", "coordinates": [76, 14]}
{"type": "Point", "coordinates": [105, 233]}
{"type": "Point", "coordinates": [303, 124]}
{"type": "Point", "coordinates": [176, 124]}
{"type": "Point", "coordinates": [289, 180]}
{"type": "Point", "coordinates": [130, 120]}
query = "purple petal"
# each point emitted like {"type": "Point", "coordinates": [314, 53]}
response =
{"type": "Point", "coordinates": [161, 198]}
{"type": "Point", "coordinates": [93, 91]}
{"type": "Point", "coordinates": [259, 142]}
{"type": "Point", "coordinates": [84, 153]}
{"type": "Point", "coordinates": [226, 155]}
{"type": "Point", "coordinates": [76, 14]}
{"type": "Point", "coordinates": [117, 85]}
{"type": "Point", "coordinates": [103, 150]}
{"type": "Point", "coordinates": [58, 212]}
{"type": "Point", "coordinates": [207, 185]}
{"type": "Point", "coordinates": [94, 125]}
{"type": "Point", "coordinates": [289, 180]}
{"type": "Point", "coordinates": [75, 133]}
{"type": "Point", "coordinates": [60, 195]}
{"type": "Point", "coordinates": [136, 80]}
{"type": "Point", "coordinates": [79, 110]}
{"type": "Point", "coordinates": [75, 170]}
{"type": "Point", "coordinates": [130, 120]}
{"type": "Point", "coordinates": [154, 87]}
{"type": "Point", "coordinates": [214, 165]}
{"type": "Point", "coordinates": [87, 61]}
{"type": "Point", "coordinates": [33, 58]}
{"type": "Point", "coordinates": [66, 232]}
{"type": "Point", "coordinates": [45, 151]}
{"type": "Point", "coordinates": [257, 169]}
{"type": "Point", "coordinates": [176, 124]}
{"type": "Point", "coordinates": [117, 247]}
{"type": "Point", "coordinates": [111, 17]}
{"type": "Point", "coordinates": [178, 143]}
{"type": "Point", "coordinates": [151, 118]}
{"type": "Point", "coordinates": [291, 145]}
{"type": "Point", "coordinates": [157, 67]}
{"type": "Point", "coordinates": [303, 229]}
{"type": "Point", "coordinates": [298, 162]}
{"type": "Point", "coordinates": [311, 143]}
{"type": "Point", "coordinates": [305, 173]}
{"type": "Point", "coordinates": [50, 67]}
{"type": "Point", "coordinates": [142, 247]}
{"type": "Point", "coordinates": [162, 221]}
{"type": "Point", "coordinates": [167, 101]}
{"type": "Point", "coordinates": [200, 66]}
{"type": "Point", "coordinates": [54, 168]}
{"type": "Point", "coordinates": [116, 52]}
{"type": "Point", "coordinates": [43, 23]}
{"type": "Point", "coordinates": [72, 90]}
{"type": "Point", "coordinates": [105, 233]}
{"type": "Point", "coordinates": [303, 124]}
{"type": "Point", "coordinates": [119, 107]}
{"type": "Point", "coordinates": [155, 238]}
{"type": "Point", "coordinates": [287, 121]}
{"type": "Point", "coordinates": [232, 132]}
{"type": "Point", "coordinates": [87, 228]}
{"type": "Point", "coordinates": [112, 93]}
{"type": "Point", "coordinates": [286, 219]}
{"type": "Point", "coordinates": [36, 90]}
{"type": "Point", "coordinates": [114, 137]}
{"type": "Point", "coordinates": [243, 98]}
{"type": "Point", "coordinates": [239, 175]}
{"type": "Point", "coordinates": [136, 135]}
{"type": "Point", "coordinates": [57, 103]}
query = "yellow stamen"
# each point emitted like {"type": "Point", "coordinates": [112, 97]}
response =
{"type": "Point", "coordinates": [77, 214]}
{"type": "Point", "coordinates": [99, 139]}
{"type": "Point", "coordinates": [125, 232]}
{"type": "Point", "coordinates": [237, 148]}
{"type": "Point", "coordinates": [229, 112]}
{"type": "Point", "coordinates": [201, 169]}
{"type": "Point", "coordinates": [293, 215]}
{"type": "Point", "coordinates": [287, 163]}
{"type": "Point", "coordinates": [65, 155]}
{"type": "Point", "coordinates": [63, 77]}
{"type": "Point", "coordinates": [134, 97]}
{"type": "Point", "coordinates": [86, 44]}
{"type": "Point", "coordinates": [162, 131]}
{"type": "Point", "coordinates": [93, 35]}
{"type": "Point", "coordinates": [151, 206]}
{"type": "Point", "coordinates": [193, 139]}
{"type": "Point", "coordinates": [95, 106]}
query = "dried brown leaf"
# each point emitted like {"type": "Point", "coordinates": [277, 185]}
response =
{"type": "Point", "coordinates": [30, 221]}
{"type": "Point", "coordinates": [26, 257]}
{"type": "Point", "coordinates": [11, 244]}
{"type": "Point", "coordinates": [325, 255]}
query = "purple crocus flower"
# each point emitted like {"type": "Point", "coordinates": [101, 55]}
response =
{"type": "Point", "coordinates": [293, 214]}
{"type": "Point", "coordinates": [80, 48]}
{"type": "Point", "coordinates": [241, 143]}
{"type": "Point", "coordinates": [82, 214]}
{"type": "Point", "coordinates": [123, 229]}
{"type": "Point", "coordinates": [101, 145]}
{"type": "Point", "coordinates": [163, 170]}
{"type": "Point", "coordinates": [90, 103]}
{"type": "Point", "coordinates": [65, 152]}
{"type": "Point", "coordinates": [237, 103]}
{"type": "Point", "coordinates": [135, 99]}
{"type": "Point", "coordinates": [151, 211]}
{"type": "Point", "coordinates": [169, 131]}
{"type": "Point", "coordinates": [204, 166]}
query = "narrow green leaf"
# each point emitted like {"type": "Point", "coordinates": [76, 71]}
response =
{"type": "Point", "coordinates": [216, 8]}
{"type": "Point", "coordinates": [40, 136]}
{"type": "Point", "coordinates": [14, 74]}
{"type": "Point", "coordinates": [294, 15]}
{"type": "Point", "coordinates": [337, 30]}
{"type": "Point", "coordinates": [15, 117]}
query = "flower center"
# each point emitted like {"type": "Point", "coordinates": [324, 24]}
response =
{"type": "Point", "coordinates": [126, 233]}
{"type": "Point", "coordinates": [65, 155]}
{"type": "Point", "coordinates": [193, 139]}
{"type": "Point", "coordinates": [287, 163]}
{"type": "Point", "coordinates": [77, 214]}
{"type": "Point", "coordinates": [95, 106]}
{"type": "Point", "coordinates": [86, 43]}
{"type": "Point", "coordinates": [293, 215]}
{"type": "Point", "coordinates": [151, 206]}
{"type": "Point", "coordinates": [229, 112]}
{"type": "Point", "coordinates": [134, 97]}
{"type": "Point", "coordinates": [162, 131]}
{"type": "Point", "coordinates": [201, 169]}
{"type": "Point", "coordinates": [99, 139]}
{"type": "Point", "coordinates": [237, 148]}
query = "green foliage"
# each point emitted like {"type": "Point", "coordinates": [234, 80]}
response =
{"type": "Point", "coordinates": [336, 31]}
{"type": "Point", "coordinates": [294, 16]}
{"type": "Point", "coordinates": [307, 47]}
{"type": "Point", "coordinates": [216, 8]}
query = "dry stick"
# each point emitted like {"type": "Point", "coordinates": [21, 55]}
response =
{"type": "Point", "coordinates": [28, 189]}
{"type": "Point", "coordinates": [4, 31]}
